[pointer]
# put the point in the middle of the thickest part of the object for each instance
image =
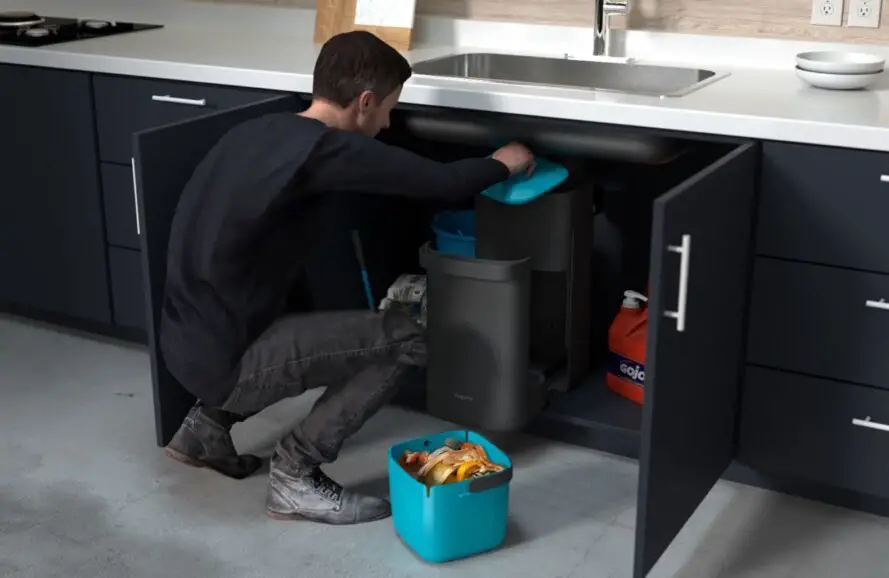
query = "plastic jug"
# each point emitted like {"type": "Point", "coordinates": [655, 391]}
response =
{"type": "Point", "coordinates": [626, 348]}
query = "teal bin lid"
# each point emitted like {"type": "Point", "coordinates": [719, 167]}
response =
{"type": "Point", "coordinates": [523, 188]}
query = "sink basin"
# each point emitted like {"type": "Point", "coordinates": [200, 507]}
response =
{"type": "Point", "coordinates": [644, 79]}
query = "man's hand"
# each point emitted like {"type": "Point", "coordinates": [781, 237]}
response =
{"type": "Point", "coordinates": [516, 157]}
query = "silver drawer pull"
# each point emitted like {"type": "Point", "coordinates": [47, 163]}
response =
{"type": "Point", "coordinates": [177, 100]}
{"type": "Point", "coordinates": [866, 422]}
{"type": "Point", "coordinates": [884, 178]}
{"type": "Point", "coordinates": [135, 196]}
{"type": "Point", "coordinates": [881, 304]}
{"type": "Point", "coordinates": [684, 251]}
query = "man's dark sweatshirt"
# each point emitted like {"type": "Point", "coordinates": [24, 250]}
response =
{"type": "Point", "coordinates": [240, 232]}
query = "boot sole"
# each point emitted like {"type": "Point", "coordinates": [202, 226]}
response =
{"type": "Point", "coordinates": [297, 517]}
{"type": "Point", "coordinates": [184, 459]}
{"type": "Point", "coordinates": [283, 517]}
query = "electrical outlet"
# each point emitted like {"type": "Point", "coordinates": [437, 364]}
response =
{"type": "Point", "coordinates": [827, 12]}
{"type": "Point", "coordinates": [864, 13]}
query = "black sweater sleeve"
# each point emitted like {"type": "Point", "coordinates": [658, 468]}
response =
{"type": "Point", "coordinates": [351, 162]}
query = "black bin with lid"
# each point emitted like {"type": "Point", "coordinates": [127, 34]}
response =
{"type": "Point", "coordinates": [478, 335]}
{"type": "Point", "coordinates": [513, 322]}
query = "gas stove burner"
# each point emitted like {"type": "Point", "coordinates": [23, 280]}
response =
{"type": "Point", "coordinates": [53, 30]}
{"type": "Point", "coordinates": [96, 24]}
{"type": "Point", "coordinates": [37, 32]}
{"type": "Point", "coordinates": [19, 18]}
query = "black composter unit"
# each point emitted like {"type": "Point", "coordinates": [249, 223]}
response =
{"type": "Point", "coordinates": [516, 322]}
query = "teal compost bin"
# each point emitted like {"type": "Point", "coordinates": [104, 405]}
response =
{"type": "Point", "coordinates": [455, 233]}
{"type": "Point", "coordinates": [444, 523]}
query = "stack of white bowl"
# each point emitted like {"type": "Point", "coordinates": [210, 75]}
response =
{"type": "Point", "coordinates": [839, 70]}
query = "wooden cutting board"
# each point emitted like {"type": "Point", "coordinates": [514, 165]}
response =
{"type": "Point", "coordinates": [335, 16]}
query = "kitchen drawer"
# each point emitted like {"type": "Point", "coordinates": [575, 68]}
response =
{"type": "Point", "coordinates": [803, 427]}
{"type": "Point", "coordinates": [825, 205]}
{"type": "Point", "coordinates": [127, 292]}
{"type": "Point", "coordinates": [820, 320]}
{"type": "Point", "coordinates": [121, 228]}
{"type": "Point", "coordinates": [125, 105]}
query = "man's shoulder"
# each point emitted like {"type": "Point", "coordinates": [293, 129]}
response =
{"type": "Point", "coordinates": [279, 123]}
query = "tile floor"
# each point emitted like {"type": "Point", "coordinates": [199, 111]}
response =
{"type": "Point", "coordinates": [84, 492]}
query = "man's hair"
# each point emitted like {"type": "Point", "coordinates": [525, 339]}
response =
{"type": "Point", "coordinates": [352, 62]}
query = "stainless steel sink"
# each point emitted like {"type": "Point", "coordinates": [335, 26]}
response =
{"type": "Point", "coordinates": [644, 79]}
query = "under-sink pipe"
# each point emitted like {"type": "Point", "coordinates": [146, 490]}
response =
{"type": "Point", "coordinates": [545, 136]}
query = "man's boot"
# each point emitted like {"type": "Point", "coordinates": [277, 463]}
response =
{"type": "Point", "coordinates": [205, 443]}
{"type": "Point", "coordinates": [304, 491]}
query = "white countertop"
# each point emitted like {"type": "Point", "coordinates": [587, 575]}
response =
{"type": "Point", "coordinates": [761, 103]}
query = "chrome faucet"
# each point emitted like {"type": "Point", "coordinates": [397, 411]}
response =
{"type": "Point", "coordinates": [605, 9]}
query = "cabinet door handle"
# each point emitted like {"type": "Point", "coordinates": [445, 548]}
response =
{"type": "Point", "coordinates": [135, 196]}
{"type": "Point", "coordinates": [866, 422]}
{"type": "Point", "coordinates": [881, 304]}
{"type": "Point", "coordinates": [684, 251]}
{"type": "Point", "coordinates": [884, 178]}
{"type": "Point", "coordinates": [177, 100]}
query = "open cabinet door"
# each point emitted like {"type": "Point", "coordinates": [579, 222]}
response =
{"type": "Point", "coordinates": [164, 161]}
{"type": "Point", "coordinates": [701, 244]}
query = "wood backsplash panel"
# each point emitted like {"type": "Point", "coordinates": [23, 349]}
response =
{"type": "Point", "coordinates": [564, 12]}
{"type": "Point", "coordinates": [762, 18]}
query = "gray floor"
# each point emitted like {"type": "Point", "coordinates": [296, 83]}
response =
{"type": "Point", "coordinates": [85, 493]}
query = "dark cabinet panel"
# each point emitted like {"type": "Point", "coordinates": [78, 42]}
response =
{"type": "Point", "coordinates": [126, 105]}
{"type": "Point", "coordinates": [825, 431]}
{"type": "Point", "coordinates": [120, 206]}
{"type": "Point", "coordinates": [127, 289]}
{"type": "Point", "coordinates": [700, 259]}
{"type": "Point", "coordinates": [52, 239]}
{"type": "Point", "coordinates": [820, 320]}
{"type": "Point", "coordinates": [166, 158]}
{"type": "Point", "coordinates": [825, 205]}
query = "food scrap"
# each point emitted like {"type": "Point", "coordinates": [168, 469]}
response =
{"type": "Point", "coordinates": [454, 462]}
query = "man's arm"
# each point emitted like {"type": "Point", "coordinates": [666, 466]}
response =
{"type": "Point", "coordinates": [350, 162]}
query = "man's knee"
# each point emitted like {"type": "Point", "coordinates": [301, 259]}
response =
{"type": "Point", "coordinates": [415, 351]}
{"type": "Point", "coordinates": [399, 326]}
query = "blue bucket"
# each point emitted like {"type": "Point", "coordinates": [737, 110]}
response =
{"type": "Point", "coordinates": [453, 521]}
{"type": "Point", "coordinates": [455, 233]}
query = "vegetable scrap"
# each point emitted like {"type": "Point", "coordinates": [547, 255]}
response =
{"type": "Point", "coordinates": [454, 462]}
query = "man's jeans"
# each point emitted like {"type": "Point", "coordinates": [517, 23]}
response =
{"type": "Point", "coordinates": [362, 357]}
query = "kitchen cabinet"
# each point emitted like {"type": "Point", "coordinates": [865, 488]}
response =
{"type": "Point", "coordinates": [52, 235]}
{"type": "Point", "coordinates": [127, 288]}
{"type": "Point", "coordinates": [701, 242]}
{"type": "Point", "coordinates": [126, 105]}
{"type": "Point", "coordinates": [824, 205]}
{"type": "Point", "coordinates": [823, 430]}
{"type": "Point", "coordinates": [120, 206]}
{"type": "Point", "coordinates": [67, 210]}
{"type": "Point", "coordinates": [814, 398]}
{"type": "Point", "coordinates": [819, 320]}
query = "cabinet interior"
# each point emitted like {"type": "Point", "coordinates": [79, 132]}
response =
{"type": "Point", "coordinates": [624, 191]}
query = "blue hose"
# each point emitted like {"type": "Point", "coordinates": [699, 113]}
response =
{"type": "Point", "coordinates": [365, 279]}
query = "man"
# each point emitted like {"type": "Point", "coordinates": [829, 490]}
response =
{"type": "Point", "coordinates": [238, 241]}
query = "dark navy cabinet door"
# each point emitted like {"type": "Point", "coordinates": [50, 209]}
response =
{"type": "Point", "coordinates": [52, 236]}
{"type": "Point", "coordinates": [824, 205]}
{"type": "Point", "coordinates": [700, 259]}
{"type": "Point", "coordinates": [164, 161]}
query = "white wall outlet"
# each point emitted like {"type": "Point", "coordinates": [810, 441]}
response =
{"type": "Point", "coordinates": [864, 13]}
{"type": "Point", "coordinates": [827, 12]}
